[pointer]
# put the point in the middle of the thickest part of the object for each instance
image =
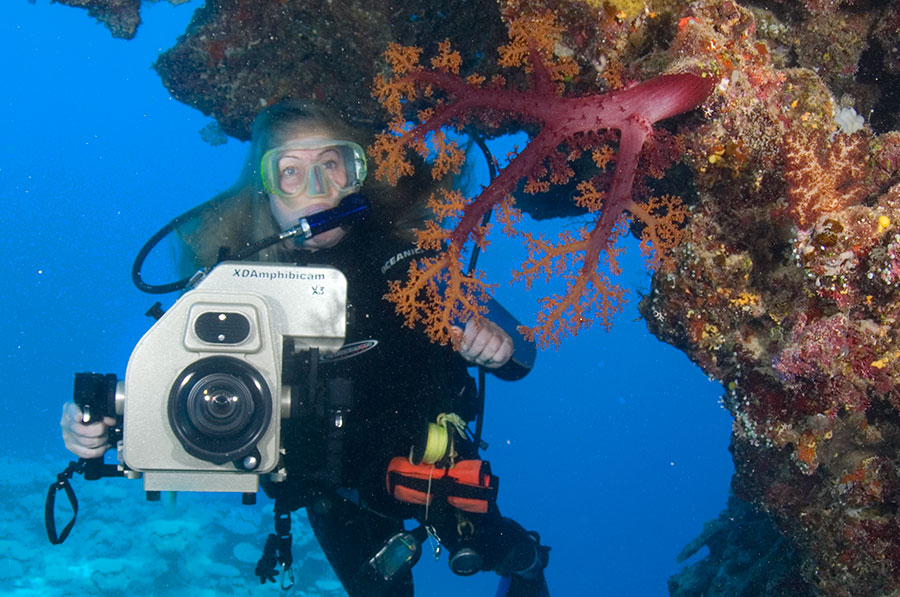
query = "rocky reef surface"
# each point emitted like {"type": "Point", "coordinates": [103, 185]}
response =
{"type": "Point", "coordinates": [196, 546]}
{"type": "Point", "coordinates": [239, 56]}
{"type": "Point", "coordinates": [785, 281]}
{"type": "Point", "coordinates": [121, 17]}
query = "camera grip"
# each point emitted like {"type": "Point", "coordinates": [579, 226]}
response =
{"type": "Point", "coordinates": [95, 395]}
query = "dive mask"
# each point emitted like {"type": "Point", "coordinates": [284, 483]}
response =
{"type": "Point", "coordinates": [313, 168]}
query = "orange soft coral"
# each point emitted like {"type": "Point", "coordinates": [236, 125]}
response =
{"type": "Point", "coordinates": [437, 292]}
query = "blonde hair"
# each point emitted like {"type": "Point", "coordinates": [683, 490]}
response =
{"type": "Point", "coordinates": [240, 216]}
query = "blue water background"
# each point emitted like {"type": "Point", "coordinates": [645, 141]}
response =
{"type": "Point", "coordinates": [614, 448]}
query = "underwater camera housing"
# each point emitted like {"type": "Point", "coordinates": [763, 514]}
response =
{"type": "Point", "coordinates": [203, 396]}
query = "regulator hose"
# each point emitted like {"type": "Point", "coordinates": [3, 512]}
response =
{"type": "Point", "coordinates": [352, 209]}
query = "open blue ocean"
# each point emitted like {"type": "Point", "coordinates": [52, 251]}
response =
{"type": "Point", "coordinates": [615, 448]}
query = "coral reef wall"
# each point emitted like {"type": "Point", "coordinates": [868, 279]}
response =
{"type": "Point", "coordinates": [786, 286]}
{"type": "Point", "coordinates": [238, 56]}
{"type": "Point", "coordinates": [786, 279]}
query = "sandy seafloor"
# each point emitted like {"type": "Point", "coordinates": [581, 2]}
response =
{"type": "Point", "coordinates": [614, 448]}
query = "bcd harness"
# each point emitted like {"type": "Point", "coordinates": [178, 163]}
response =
{"type": "Point", "coordinates": [432, 469]}
{"type": "Point", "coordinates": [329, 410]}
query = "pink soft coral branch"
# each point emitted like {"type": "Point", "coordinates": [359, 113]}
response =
{"type": "Point", "coordinates": [631, 111]}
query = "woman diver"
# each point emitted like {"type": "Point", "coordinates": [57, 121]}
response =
{"type": "Point", "coordinates": [304, 160]}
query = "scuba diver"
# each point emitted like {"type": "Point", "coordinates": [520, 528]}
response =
{"type": "Point", "coordinates": [402, 450]}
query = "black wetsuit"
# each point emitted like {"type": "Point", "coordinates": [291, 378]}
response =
{"type": "Point", "coordinates": [391, 383]}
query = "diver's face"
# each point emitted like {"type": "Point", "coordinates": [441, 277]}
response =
{"type": "Point", "coordinates": [310, 181]}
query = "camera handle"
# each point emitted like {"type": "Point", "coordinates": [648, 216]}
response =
{"type": "Point", "coordinates": [95, 395]}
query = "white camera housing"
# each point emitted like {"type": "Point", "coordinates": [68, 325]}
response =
{"type": "Point", "coordinates": [203, 398]}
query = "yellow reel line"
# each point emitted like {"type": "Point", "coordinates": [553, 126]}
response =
{"type": "Point", "coordinates": [439, 441]}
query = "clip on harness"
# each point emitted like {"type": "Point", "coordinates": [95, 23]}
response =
{"type": "Point", "coordinates": [278, 550]}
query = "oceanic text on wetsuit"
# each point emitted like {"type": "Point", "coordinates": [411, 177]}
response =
{"type": "Point", "coordinates": [399, 257]}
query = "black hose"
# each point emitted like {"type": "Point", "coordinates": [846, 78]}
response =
{"type": "Point", "coordinates": [350, 210]}
{"type": "Point", "coordinates": [149, 246]}
{"type": "Point", "coordinates": [473, 259]}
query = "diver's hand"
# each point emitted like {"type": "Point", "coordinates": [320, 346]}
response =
{"type": "Point", "coordinates": [85, 441]}
{"type": "Point", "coordinates": [484, 343]}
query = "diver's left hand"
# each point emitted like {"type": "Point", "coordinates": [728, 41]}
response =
{"type": "Point", "coordinates": [485, 343]}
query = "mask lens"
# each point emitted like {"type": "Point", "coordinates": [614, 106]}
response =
{"type": "Point", "coordinates": [291, 176]}
{"type": "Point", "coordinates": [313, 167]}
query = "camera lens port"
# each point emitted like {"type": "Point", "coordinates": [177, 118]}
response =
{"type": "Point", "coordinates": [220, 405]}
{"type": "Point", "coordinates": [219, 408]}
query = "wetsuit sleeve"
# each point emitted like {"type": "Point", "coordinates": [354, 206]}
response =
{"type": "Point", "coordinates": [395, 267]}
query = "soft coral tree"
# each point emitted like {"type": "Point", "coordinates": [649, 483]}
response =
{"type": "Point", "coordinates": [437, 291]}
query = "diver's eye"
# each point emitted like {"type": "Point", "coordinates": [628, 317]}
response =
{"type": "Point", "coordinates": [289, 171]}
{"type": "Point", "coordinates": [330, 164]}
